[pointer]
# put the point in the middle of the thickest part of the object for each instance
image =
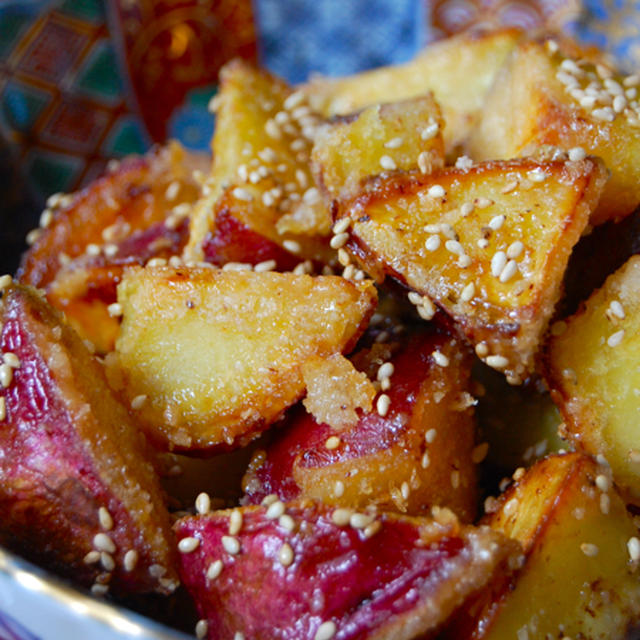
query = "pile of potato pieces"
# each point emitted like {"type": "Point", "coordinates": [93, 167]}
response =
{"type": "Point", "coordinates": [367, 260]}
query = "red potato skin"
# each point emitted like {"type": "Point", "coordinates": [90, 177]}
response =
{"type": "Point", "coordinates": [51, 487]}
{"type": "Point", "coordinates": [233, 241]}
{"type": "Point", "coordinates": [369, 587]}
{"type": "Point", "coordinates": [301, 446]}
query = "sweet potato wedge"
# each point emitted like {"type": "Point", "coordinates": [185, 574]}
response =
{"type": "Point", "coordinates": [459, 71]}
{"type": "Point", "coordinates": [217, 354]}
{"type": "Point", "coordinates": [579, 573]}
{"type": "Point", "coordinates": [400, 461]}
{"type": "Point", "coordinates": [78, 493]}
{"type": "Point", "coordinates": [592, 371]}
{"type": "Point", "coordinates": [319, 573]}
{"type": "Point", "coordinates": [488, 244]}
{"type": "Point", "coordinates": [261, 174]}
{"type": "Point", "coordinates": [137, 212]}
{"type": "Point", "coordinates": [546, 97]}
{"type": "Point", "coordinates": [381, 138]}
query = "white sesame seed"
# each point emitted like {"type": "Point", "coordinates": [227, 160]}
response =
{"type": "Point", "coordinates": [404, 490]}
{"type": "Point", "coordinates": [510, 507]}
{"type": "Point", "coordinates": [616, 309]}
{"type": "Point", "coordinates": [464, 261]}
{"type": "Point", "coordinates": [414, 298]}
{"type": "Point", "coordinates": [515, 250]}
{"type": "Point", "coordinates": [105, 519]}
{"type": "Point", "coordinates": [341, 517]}
{"type": "Point", "coordinates": [430, 436]}
{"type": "Point", "coordinates": [432, 243]}
{"type": "Point", "coordinates": [157, 571]}
{"type": "Point", "coordinates": [339, 240]}
{"type": "Point", "coordinates": [264, 266]}
{"type": "Point", "coordinates": [482, 202]}
{"type": "Point", "coordinates": [497, 221]}
{"type": "Point", "coordinates": [156, 262]}
{"type": "Point", "coordinates": [285, 555]}
{"type": "Point", "coordinates": [498, 263]}
{"type": "Point", "coordinates": [292, 246]}
{"type": "Point", "coordinates": [509, 187]}
{"type": "Point", "coordinates": [482, 349]}
{"type": "Point", "coordinates": [440, 359]}
{"type": "Point", "coordinates": [202, 628]}
{"type": "Point", "coordinates": [338, 489]}
{"type": "Point", "coordinates": [325, 631]}
{"type": "Point", "coordinates": [275, 510]}
{"type": "Point", "coordinates": [93, 250]}
{"type": "Point", "coordinates": [602, 482]}
{"type": "Point", "coordinates": [332, 442]}
{"type": "Point", "coordinates": [394, 143]}
{"type": "Point", "coordinates": [298, 144]}
{"type": "Point", "coordinates": [102, 542]}
{"type": "Point", "coordinates": [231, 545]}
{"type": "Point", "coordinates": [509, 271]}
{"type": "Point", "coordinates": [468, 292]}
{"type": "Point", "coordinates": [619, 104]}
{"type": "Point", "coordinates": [341, 225]}
{"type": "Point", "coordinates": [33, 236]}
{"type": "Point", "coordinates": [616, 338]}
{"type": "Point", "coordinates": [99, 589]}
{"type": "Point", "coordinates": [92, 557]}
{"type": "Point", "coordinates": [436, 191]}
{"type": "Point", "coordinates": [633, 546]}
{"type": "Point", "coordinates": [388, 163]}
{"type": "Point", "coordinates": [130, 560]}
{"type": "Point", "coordinates": [605, 503]}
{"type": "Point", "coordinates": [454, 247]}
{"type": "Point", "coordinates": [497, 361]}
{"type": "Point", "coordinates": [238, 635]}
{"type": "Point", "coordinates": [427, 309]}
{"type": "Point", "coordinates": [311, 195]}
{"type": "Point", "coordinates": [107, 561]}
{"type": "Point", "coordinates": [589, 549]}
{"type": "Point", "coordinates": [235, 522]}
{"type": "Point", "coordinates": [203, 503]}
{"type": "Point", "coordinates": [371, 530]}
{"type": "Point", "coordinates": [3, 408]}
{"type": "Point", "coordinates": [214, 569]}
{"type": "Point", "coordinates": [5, 281]}
{"type": "Point", "coordinates": [466, 209]}
{"type": "Point", "coordinates": [349, 271]}
{"type": "Point", "coordinates": [293, 100]}
{"type": "Point", "coordinates": [605, 114]}
{"type": "Point", "coordinates": [430, 131]}
{"type": "Point", "coordinates": [385, 370]}
{"type": "Point", "coordinates": [242, 194]}
{"type": "Point", "coordinates": [11, 359]}
{"type": "Point", "coordinates": [424, 161]}
{"type": "Point", "coordinates": [272, 129]}
{"type": "Point", "coordinates": [138, 401]}
{"type": "Point", "coordinates": [189, 544]}
{"type": "Point", "coordinates": [425, 461]}
{"type": "Point", "coordinates": [236, 266]}
{"type": "Point", "coordinates": [483, 243]}
{"type": "Point", "coordinates": [382, 405]}
{"type": "Point", "coordinates": [360, 520]}
{"type": "Point", "coordinates": [46, 217]}
{"type": "Point", "coordinates": [343, 258]}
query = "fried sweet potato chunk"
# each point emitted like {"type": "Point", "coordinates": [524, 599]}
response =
{"type": "Point", "coordinates": [459, 71]}
{"type": "Point", "coordinates": [261, 174]}
{"type": "Point", "coordinates": [78, 493]}
{"type": "Point", "coordinates": [578, 578]}
{"type": "Point", "coordinates": [401, 460]}
{"type": "Point", "coordinates": [592, 371]}
{"type": "Point", "coordinates": [317, 573]}
{"type": "Point", "coordinates": [217, 354]}
{"type": "Point", "coordinates": [488, 244]}
{"type": "Point", "coordinates": [544, 97]}
{"type": "Point", "coordinates": [379, 139]}
{"type": "Point", "coordinates": [137, 212]}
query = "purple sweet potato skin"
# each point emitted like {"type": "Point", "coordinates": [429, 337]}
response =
{"type": "Point", "coordinates": [367, 586]}
{"type": "Point", "coordinates": [52, 481]}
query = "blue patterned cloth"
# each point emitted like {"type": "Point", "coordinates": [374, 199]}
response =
{"type": "Point", "coordinates": [338, 37]}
